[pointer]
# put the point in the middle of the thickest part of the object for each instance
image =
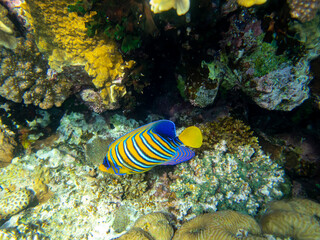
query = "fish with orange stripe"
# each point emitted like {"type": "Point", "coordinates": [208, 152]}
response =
{"type": "Point", "coordinates": [150, 145]}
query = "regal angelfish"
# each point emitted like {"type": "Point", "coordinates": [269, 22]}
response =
{"type": "Point", "coordinates": [150, 145]}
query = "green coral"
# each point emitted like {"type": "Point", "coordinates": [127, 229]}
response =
{"type": "Point", "coordinates": [264, 59]}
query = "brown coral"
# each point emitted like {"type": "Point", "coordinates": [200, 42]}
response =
{"type": "Point", "coordinates": [304, 10]}
{"type": "Point", "coordinates": [222, 225]}
{"type": "Point", "coordinates": [156, 224]}
{"type": "Point", "coordinates": [296, 218]}
{"type": "Point", "coordinates": [234, 131]}
{"type": "Point", "coordinates": [135, 234]}
{"type": "Point", "coordinates": [24, 76]}
{"type": "Point", "coordinates": [7, 145]}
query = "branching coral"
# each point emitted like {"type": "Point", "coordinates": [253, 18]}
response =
{"type": "Point", "coordinates": [181, 6]}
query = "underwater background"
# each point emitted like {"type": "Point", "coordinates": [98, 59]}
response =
{"type": "Point", "coordinates": [77, 75]}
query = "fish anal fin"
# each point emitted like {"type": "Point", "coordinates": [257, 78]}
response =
{"type": "Point", "coordinates": [183, 154]}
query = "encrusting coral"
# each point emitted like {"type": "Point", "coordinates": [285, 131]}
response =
{"type": "Point", "coordinates": [304, 10]}
{"type": "Point", "coordinates": [296, 218]}
{"type": "Point", "coordinates": [221, 225]}
{"type": "Point", "coordinates": [24, 76]}
{"type": "Point", "coordinates": [181, 6]}
{"type": "Point", "coordinates": [62, 35]}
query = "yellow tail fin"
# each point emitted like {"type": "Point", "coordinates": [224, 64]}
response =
{"type": "Point", "coordinates": [191, 137]}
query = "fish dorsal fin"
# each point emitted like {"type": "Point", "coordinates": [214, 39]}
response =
{"type": "Point", "coordinates": [165, 128]}
{"type": "Point", "coordinates": [191, 137]}
{"type": "Point", "coordinates": [183, 154]}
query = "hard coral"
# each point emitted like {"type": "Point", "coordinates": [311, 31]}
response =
{"type": "Point", "coordinates": [24, 77]}
{"type": "Point", "coordinates": [304, 10]}
{"type": "Point", "coordinates": [156, 224]}
{"type": "Point", "coordinates": [12, 203]}
{"type": "Point", "coordinates": [181, 6]}
{"type": "Point", "coordinates": [221, 225]}
{"type": "Point", "coordinates": [234, 131]}
{"type": "Point", "coordinates": [243, 180]}
{"type": "Point", "coordinates": [296, 218]}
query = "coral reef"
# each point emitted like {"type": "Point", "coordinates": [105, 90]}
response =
{"type": "Point", "coordinates": [23, 232]}
{"type": "Point", "coordinates": [7, 144]}
{"type": "Point", "coordinates": [12, 203]}
{"type": "Point", "coordinates": [222, 225]}
{"type": "Point", "coordinates": [25, 76]}
{"type": "Point", "coordinates": [304, 10]}
{"type": "Point", "coordinates": [233, 131]}
{"type": "Point", "coordinates": [296, 218]}
{"type": "Point", "coordinates": [68, 45]}
{"type": "Point", "coordinates": [181, 6]}
{"type": "Point", "coordinates": [156, 224]}
{"type": "Point", "coordinates": [215, 181]}
{"type": "Point", "coordinates": [282, 89]}
{"type": "Point", "coordinates": [7, 33]}
{"type": "Point", "coordinates": [135, 234]}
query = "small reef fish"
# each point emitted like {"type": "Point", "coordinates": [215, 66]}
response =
{"type": "Point", "coordinates": [150, 145]}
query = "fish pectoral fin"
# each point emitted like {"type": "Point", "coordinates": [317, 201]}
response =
{"type": "Point", "coordinates": [191, 137]}
{"type": "Point", "coordinates": [183, 154]}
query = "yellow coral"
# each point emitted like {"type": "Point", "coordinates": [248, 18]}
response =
{"type": "Point", "coordinates": [222, 225]}
{"type": "Point", "coordinates": [181, 6]}
{"type": "Point", "coordinates": [156, 224]}
{"type": "Point", "coordinates": [296, 218]}
{"type": "Point", "coordinates": [249, 3]}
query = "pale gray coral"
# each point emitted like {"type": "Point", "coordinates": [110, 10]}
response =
{"type": "Point", "coordinates": [242, 181]}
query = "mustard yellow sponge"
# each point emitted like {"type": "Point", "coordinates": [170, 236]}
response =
{"type": "Point", "coordinates": [250, 3]}
{"type": "Point", "coordinates": [62, 37]}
